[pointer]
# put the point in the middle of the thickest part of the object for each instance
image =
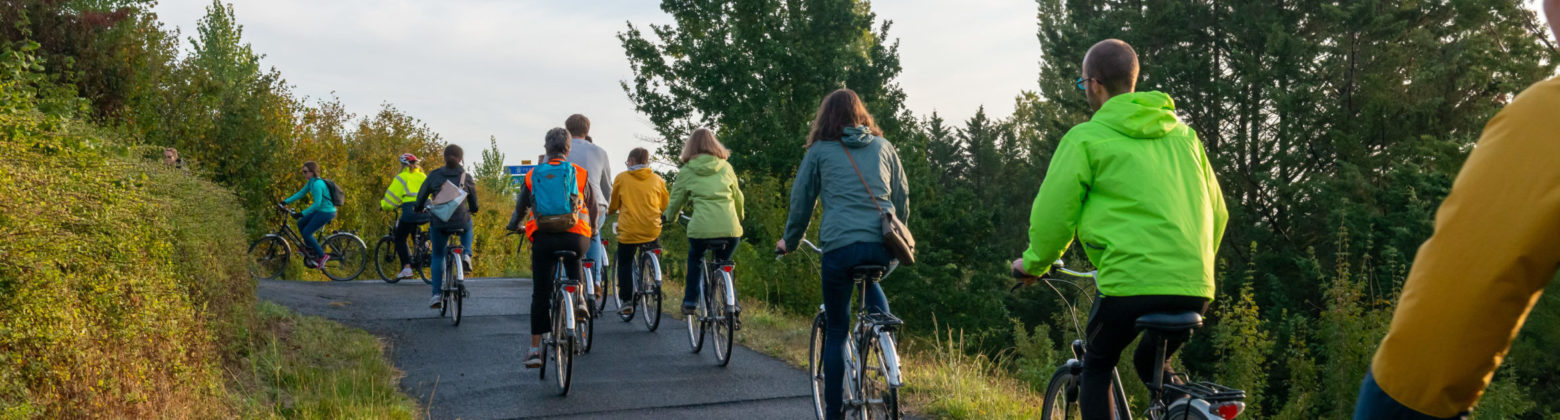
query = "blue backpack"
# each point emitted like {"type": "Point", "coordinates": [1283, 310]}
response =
{"type": "Point", "coordinates": [555, 197]}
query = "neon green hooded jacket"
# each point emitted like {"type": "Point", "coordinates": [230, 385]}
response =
{"type": "Point", "coordinates": [1134, 186]}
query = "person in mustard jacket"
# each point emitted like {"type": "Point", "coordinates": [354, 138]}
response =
{"type": "Point", "coordinates": [638, 198]}
{"type": "Point", "coordinates": [1496, 246]}
{"type": "Point", "coordinates": [707, 185]}
{"type": "Point", "coordinates": [1134, 186]}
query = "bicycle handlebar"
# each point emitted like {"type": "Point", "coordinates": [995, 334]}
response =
{"type": "Point", "coordinates": [1056, 267]}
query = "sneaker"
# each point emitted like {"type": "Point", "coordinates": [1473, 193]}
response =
{"type": "Point", "coordinates": [581, 311]}
{"type": "Point", "coordinates": [434, 301]}
{"type": "Point", "coordinates": [688, 309]}
{"type": "Point", "coordinates": [465, 260]}
{"type": "Point", "coordinates": [323, 259]}
{"type": "Point", "coordinates": [405, 273]}
{"type": "Point", "coordinates": [626, 311]}
{"type": "Point", "coordinates": [533, 359]}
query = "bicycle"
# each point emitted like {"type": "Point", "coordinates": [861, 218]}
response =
{"type": "Point", "coordinates": [647, 288]}
{"type": "Point", "coordinates": [1203, 399]}
{"type": "Point", "coordinates": [452, 291]}
{"type": "Point", "coordinates": [268, 255]}
{"type": "Point", "coordinates": [588, 277]}
{"type": "Point", "coordinates": [717, 311]}
{"type": "Point", "coordinates": [385, 258]}
{"type": "Point", "coordinates": [561, 344]}
{"type": "Point", "coordinates": [872, 370]}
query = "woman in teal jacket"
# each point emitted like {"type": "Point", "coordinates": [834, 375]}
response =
{"type": "Point", "coordinates": [317, 215]}
{"type": "Point", "coordinates": [708, 186]}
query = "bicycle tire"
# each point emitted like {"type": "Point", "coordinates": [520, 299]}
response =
{"type": "Point", "coordinates": [585, 330]}
{"type": "Point", "coordinates": [562, 351]}
{"type": "Point", "coordinates": [724, 322]}
{"type": "Point", "coordinates": [609, 288]}
{"type": "Point", "coordinates": [650, 300]}
{"type": "Point", "coordinates": [457, 296]}
{"type": "Point", "coordinates": [1061, 396]}
{"type": "Point", "coordinates": [348, 253]}
{"type": "Point", "coordinates": [815, 363]}
{"type": "Point", "coordinates": [881, 400]}
{"type": "Point", "coordinates": [385, 260]}
{"type": "Point", "coordinates": [423, 254]}
{"type": "Point", "coordinates": [696, 325]}
{"type": "Point", "coordinates": [268, 257]}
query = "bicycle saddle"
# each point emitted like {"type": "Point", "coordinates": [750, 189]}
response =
{"type": "Point", "coordinates": [868, 269]}
{"type": "Point", "coordinates": [1165, 321]}
{"type": "Point", "coordinates": [564, 254]}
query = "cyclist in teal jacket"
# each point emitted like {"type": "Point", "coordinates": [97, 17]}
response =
{"type": "Point", "coordinates": [319, 214]}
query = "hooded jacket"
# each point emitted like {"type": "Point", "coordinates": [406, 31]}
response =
{"type": "Point", "coordinates": [848, 213]}
{"type": "Point", "coordinates": [316, 190]}
{"type": "Point", "coordinates": [1134, 186]}
{"type": "Point", "coordinates": [638, 197]}
{"type": "Point", "coordinates": [455, 175]}
{"type": "Point", "coordinates": [708, 186]}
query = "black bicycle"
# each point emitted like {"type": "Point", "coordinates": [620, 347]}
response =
{"type": "Point", "coordinates": [268, 255]}
{"type": "Point", "coordinates": [388, 264]}
{"type": "Point", "coordinates": [1203, 400]}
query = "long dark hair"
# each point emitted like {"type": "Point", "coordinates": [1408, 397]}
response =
{"type": "Point", "coordinates": [840, 109]}
{"type": "Point", "coordinates": [453, 155]}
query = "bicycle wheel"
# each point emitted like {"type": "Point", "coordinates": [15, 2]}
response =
{"type": "Point", "coordinates": [585, 331]}
{"type": "Point", "coordinates": [815, 363]}
{"type": "Point", "coordinates": [457, 297]}
{"type": "Point", "coordinates": [609, 292]}
{"type": "Point", "coordinates": [562, 352]}
{"type": "Point", "coordinates": [725, 318]}
{"type": "Point", "coordinates": [696, 325]}
{"type": "Point", "coordinates": [649, 297]}
{"type": "Point", "coordinates": [598, 302]}
{"type": "Point", "coordinates": [444, 295]}
{"type": "Point", "coordinates": [423, 255]}
{"type": "Point", "coordinates": [1061, 396]}
{"type": "Point", "coordinates": [348, 256]}
{"type": "Point", "coordinates": [385, 260]}
{"type": "Point", "coordinates": [268, 257]}
{"type": "Point", "coordinates": [880, 401]}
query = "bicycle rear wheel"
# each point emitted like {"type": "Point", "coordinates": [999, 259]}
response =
{"type": "Point", "coordinates": [457, 290]}
{"type": "Point", "coordinates": [348, 256]}
{"type": "Point", "coordinates": [1061, 396]}
{"type": "Point", "coordinates": [649, 296]}
{"type": "Point", "coordinates": [880, 401]}
{"type": "Point", "coordinates": [696, 325]}
{"type": "Point", "coordinates": [585, 331]}
{"type": "Point", "coordinates": [561, 349]}
{"type": "Point", "coordinates": [268, 257]}
{"type": "Point", "coordinates": [385, 260]}
{"type": "Point", "coordinates": [815, 363]}
{"type": "Point", "coordinates": [725, 317]}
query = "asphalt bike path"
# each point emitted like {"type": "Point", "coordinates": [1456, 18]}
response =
{"type": "Point", "coordinates": [473, 371]}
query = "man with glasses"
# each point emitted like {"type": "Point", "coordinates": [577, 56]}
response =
{"type": "Point", "coordinates": [1495, 248]}
{"type": "Point", "coordinates": [1134, 186]}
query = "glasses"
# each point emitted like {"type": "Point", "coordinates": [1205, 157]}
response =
{"type": "Point", "coordinates": [1081, 80]}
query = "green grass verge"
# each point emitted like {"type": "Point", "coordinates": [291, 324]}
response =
{"type": "Point", "coordinates": [309, 367]}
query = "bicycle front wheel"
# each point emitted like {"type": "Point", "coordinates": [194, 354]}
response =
{"type": "Point", "coordinates": [268, 257]}
{"type": "Point", "coordinates": [649, 296]}
{"type": "Point", "coordinates": [1061, 396]}
{"type": "Point", "coordinates": [725, 318]}
{"type": "Point", "coordinates": [815, 363]}
{"type": "Point", "coordinates": [696, 325]}
{"type": "Point", "coordinates": [385, 260]}
{"type": "Point", "coordinates": [348, 256]}
{"type": "Point", "coordinates": [585, 330]}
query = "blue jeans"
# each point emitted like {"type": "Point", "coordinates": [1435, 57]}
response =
{"type": "Point", "coordinates": [1375, 404]}
{"type": "Point", "coordinates": [597, 252]}
{"type": "Point", "coordinates": [440, 239]}
{"type": "Point", "coordinates": [695, 277]}
{"type": "Point", "coordinates": [307, 225]}
{"type": "Point", "coordinates": [837, 289]}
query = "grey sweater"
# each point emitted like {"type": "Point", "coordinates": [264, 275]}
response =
{"type": "Point", "coordinates": [848, 216]}
{"type": "Point", "coordinates": [594, 159]}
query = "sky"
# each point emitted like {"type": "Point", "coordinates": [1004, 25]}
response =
{"type": "Point", "coordinates": [514, 69]}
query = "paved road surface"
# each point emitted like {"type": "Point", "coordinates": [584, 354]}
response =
{"type": "Point", "coordinates": [473, 371]}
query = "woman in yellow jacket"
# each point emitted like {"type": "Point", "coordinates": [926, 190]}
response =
{"type": "Point", "coordinates": [638, 198]}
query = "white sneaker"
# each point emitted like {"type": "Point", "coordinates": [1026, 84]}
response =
{"type": "Point", "coordinates": [533, 359]}
{"type": "Point", "coordinates": [434, 301]}
{"type": "Point", "coordinates": [406, 273]}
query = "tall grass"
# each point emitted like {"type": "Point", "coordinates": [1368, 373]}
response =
{"type": "Point", "coordinates": [310, 367]}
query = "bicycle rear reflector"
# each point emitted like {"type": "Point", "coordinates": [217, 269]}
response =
{"type": "Point", "coordinates": [570, 289]}
{"type": "Point", "coordinates": [727, 268]}
{"type": "Point", "coordinates": [457, 250]}
{"type": "Point", "coordinates": [1229, 410]}
{"type": "Point", "coordinates": [656, 251]}
{"type": "Point", "coordinates": [590, 264]}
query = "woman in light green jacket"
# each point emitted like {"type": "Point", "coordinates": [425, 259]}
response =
{"type": "Point", "coordinates": [707, 185]}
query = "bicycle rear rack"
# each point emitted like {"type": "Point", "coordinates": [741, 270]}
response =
{"type": "Point", "coordinates": [1209, 391]}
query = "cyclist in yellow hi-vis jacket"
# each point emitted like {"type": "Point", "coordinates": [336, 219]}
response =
{"type": "Point", "coordinates": [402, 194]}
{"type": "Point", "coordinates": [1496, 246]}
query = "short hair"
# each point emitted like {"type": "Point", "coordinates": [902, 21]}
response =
{"type": "Point", "coordinates": [840, 109]}
{"type": "Point", "coordinates": [1113, 64]}
{"type": "Point", "coordinates": [639, 156]}
{"type": "Point", "coordinates": [557, 142]}
{"type": "Point", "coordinates": [702, 142]}
{"type": "Point", "coordinates": [578, 125]}
{"type": "Point", "coordinates": [453, 155]}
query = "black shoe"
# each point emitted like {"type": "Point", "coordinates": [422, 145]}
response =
{"type": "Point", "coordinates": [689, 310]}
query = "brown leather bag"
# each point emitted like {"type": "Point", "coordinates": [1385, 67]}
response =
{"type": "Point", "coordinates": [896, 236]}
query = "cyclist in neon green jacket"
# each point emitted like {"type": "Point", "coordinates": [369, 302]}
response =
{"type": "Point", "coordinates": [1134, 186]}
